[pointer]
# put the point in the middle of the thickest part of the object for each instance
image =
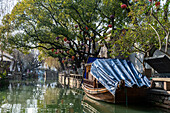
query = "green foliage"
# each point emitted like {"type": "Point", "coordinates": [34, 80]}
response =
{"type": "Point", "coordinates": [3, 74]}
{"type": "Point", "coordinates": [37, 23]}
{"type": "Point", "coordinates": [4, 68]}
{"type": "Point", "coordinates": [140, 34]}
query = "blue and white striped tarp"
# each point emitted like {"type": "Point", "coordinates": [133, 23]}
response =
{"type": "Point", "coordinates": [109, 72]}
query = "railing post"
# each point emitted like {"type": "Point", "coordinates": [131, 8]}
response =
{"type": "Point", "coordinates": [165, 85]}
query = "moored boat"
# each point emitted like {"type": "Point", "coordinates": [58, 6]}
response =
{"type": "Point", "coordinates": [114, 80]}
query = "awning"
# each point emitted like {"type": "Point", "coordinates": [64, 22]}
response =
{"type": "Point", "coordinates": [160, 63]}
{"type": "Point", "coordinates": [109, 72]}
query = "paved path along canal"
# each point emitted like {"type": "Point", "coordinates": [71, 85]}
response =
{"type": "Point", "coordinates": [49, 97]}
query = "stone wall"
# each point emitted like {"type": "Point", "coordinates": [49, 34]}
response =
{"type": "Point", "coordinates": [159, 98]}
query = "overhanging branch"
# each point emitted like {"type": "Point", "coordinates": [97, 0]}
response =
{"type": "Point", "coordinates": [160, 46]}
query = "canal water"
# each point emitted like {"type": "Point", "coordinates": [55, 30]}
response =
{"type": "Point", "coordinates": [29, 96]}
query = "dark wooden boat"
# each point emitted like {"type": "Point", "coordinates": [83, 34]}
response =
{"type": "Point", "coordinates": [97, 91]}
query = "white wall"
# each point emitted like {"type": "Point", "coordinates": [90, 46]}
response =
{"type": "Point", "coordinates": [136, 62]}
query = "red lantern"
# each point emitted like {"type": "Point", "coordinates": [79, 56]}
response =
{"type": "Point", "coordinates": [151, 0]}
{"type": "Point", "coordinates": [123, 6]}
{"type": "Point", "coordinates": [52, 50]}
{"type": "Point", "coordinates": [76, 26]}
{"type": "Point", "coordinates": [57, 38]}
{"type": "Point", "coordinates": [112, 16]}
{"type": "Point", "coordinates": [65, 39]}
{"type": "Point", "coordinates": [110, 25]}
{"type": "Point", "coordinates": [63, 61]}
{"type": "Point", "coordinates": [86, 28]}
{"type": "Point", "coordinates": [157, 4]}
{"type": "Point", "coordinates": [72, 57]}
{"type": "Point", "coordinates": [105, 37]}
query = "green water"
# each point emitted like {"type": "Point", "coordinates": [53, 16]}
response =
{"type": "Point", "coordinates": [39, 97]}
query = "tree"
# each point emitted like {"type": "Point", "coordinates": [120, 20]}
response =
{"type": "Point", "coordinates": [148, 30]}
{"type": "Point", "coordinates": [31, 61]}
{"type": "Point", "coordinates": [70, 27]}
{"type": "Point", "coordinates": [53, 62]}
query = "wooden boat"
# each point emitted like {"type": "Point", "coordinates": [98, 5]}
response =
{"type": "Point", "coordinates": [97, 91]}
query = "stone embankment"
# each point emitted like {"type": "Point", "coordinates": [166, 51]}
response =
{"type": "Point", "coordinates": [159, 94]}
{"type": "Point", "coordinates": [70, 80]}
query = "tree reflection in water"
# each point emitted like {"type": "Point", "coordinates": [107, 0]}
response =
{"type": "Point", "coordinates": [50, 97]}
{"type": "Point", "coordinates": [34, 97]}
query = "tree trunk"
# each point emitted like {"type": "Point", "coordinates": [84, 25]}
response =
{"type": "Point", "coordinates": [62, 65]}
{"type": "Point", "coordinates": [166, 11]}
{"type": "Point", "coordinates": [1, 55]}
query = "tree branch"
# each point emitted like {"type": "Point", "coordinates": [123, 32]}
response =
{"type": "Point", "coordinates": [160, 45]}
{"type": "Point", "coordinates": [166, 45]}
{"type": "Point", "coordinates": [7, 57]}
{"type": "Point", "coordinates": [138, 49]}
{"type": "Point", "coordinates": [138, 59]}
{"type": "Point", "coordinates": [85, 22]}
{"type": "Point", "coordinates": [56, 22]}
{"type": "Point", "coordinates": [160, 23]}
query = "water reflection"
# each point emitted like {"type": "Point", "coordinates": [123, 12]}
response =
{"type": "Point", "coordinates": [90, 107]}
{"type": "Point", "coordinates": [37, 97]}
{"type": "Point", "coordinates": [93, 106]}
{"type": "Point", "coordinates": [49, 97]}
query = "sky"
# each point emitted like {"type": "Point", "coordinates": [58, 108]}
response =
{"type": "Point", "coordinates": [6, 6]}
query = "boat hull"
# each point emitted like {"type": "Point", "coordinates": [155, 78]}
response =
{"type": "Point", "coordinates": [130, 95]}
{"type": "Point", "coordinates": [101, 94]}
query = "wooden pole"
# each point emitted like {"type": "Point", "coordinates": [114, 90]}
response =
{"type": "Point", "coordinates": [126, 97]}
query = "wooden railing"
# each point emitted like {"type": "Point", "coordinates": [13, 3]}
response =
{"type": "Point", "coordinates": [164, 83]}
